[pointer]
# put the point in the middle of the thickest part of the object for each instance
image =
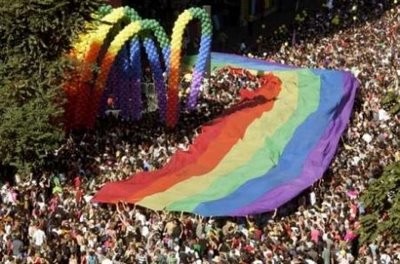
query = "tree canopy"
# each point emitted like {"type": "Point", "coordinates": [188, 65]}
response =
{"type": "Point", "coordinates": [34, 37]}
{"type": "Point", "coordinates": [382, 203]}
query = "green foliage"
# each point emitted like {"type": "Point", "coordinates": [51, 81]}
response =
{"type": "Point", "coordinates": [28, 132]}
{"type": "Point", "coordinates": [391, 101]}
{"type": "Point", "coordinates": [369, 224]}
{"type": "Point", "coordinates": [34, 36]}
{"type": "Point", "coordinates": [382, 201]}
{"type": "Point", "coordinates": [42, 28]}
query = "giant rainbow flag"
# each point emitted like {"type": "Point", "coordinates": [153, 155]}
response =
{"type": "Point", "coordinates": [262, 153]}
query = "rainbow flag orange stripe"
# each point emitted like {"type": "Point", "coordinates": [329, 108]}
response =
{"type": "Point", "coordinates": [258, 157]}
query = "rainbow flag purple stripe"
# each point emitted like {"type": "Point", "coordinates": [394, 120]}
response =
{"type": "Point", "coordinates": [258, 157]}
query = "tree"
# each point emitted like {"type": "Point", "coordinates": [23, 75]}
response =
{"type": "Point", "coordinates": [34, 37]}
{"type": "Point", "coordinates": [382, 203]}
{"type": "Point", "coordinates": [391, 100]}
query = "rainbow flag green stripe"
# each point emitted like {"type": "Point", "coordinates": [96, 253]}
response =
{"type": "Point", "coordinates": [250, 162]}
{"type": "Point", "coordinates": [270, 131]}
{"type": "Point", "coordinates": [182, 197]}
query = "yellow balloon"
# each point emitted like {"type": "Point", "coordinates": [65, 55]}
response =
{"type": "Point", "coordinates": [109, 20]}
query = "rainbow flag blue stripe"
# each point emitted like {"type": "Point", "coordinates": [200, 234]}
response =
{"type": "Point", "coordinates": [277, 143]}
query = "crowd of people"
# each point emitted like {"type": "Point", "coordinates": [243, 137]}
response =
{"type": "Point", "coordinates": [47, 217]}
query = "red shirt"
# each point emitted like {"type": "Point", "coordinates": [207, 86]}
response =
{"type": "Point", "coordinates": [78, 195]}
{"type": "Point", "coordinates": [77, 182]}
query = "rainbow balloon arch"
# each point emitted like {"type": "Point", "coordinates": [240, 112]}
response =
{"type": "Point", "coordinates": [278, 141]}
{"type": "Point", "coordinates": [109, 58]}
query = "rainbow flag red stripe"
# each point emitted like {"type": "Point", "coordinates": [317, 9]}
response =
{"type": "Point", "coordinates": [272, 146]}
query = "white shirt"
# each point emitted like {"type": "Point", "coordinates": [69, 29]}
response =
{"type": "Point", "coordinates": [383, 115]}
{"type": "Point", "coordinates": [140, 217]}
{"type": "Point", "coordinates": [329, 4]}
{"type": "Point", "coordinates": [367, 137]}
{"type": "Point", "coordinates": [310, 261]}
{"type": "Point", "coordinates": [313, 199]}
{"type": "Point", "coordinates": [39, 237]}
{"type": "Point", "coordinates": [385, 259]}
{"type": "Point", "coordinates": [145, 231]}
{"type": "Point", "coordinates": [7, 229]}
{"type": "Point", "coordinates": [106, 261]}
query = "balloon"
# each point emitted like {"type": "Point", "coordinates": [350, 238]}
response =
{"type": "Point", "coordinates": [200, 66]}
{"type": "Point", "coordinates": [113, 48]}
